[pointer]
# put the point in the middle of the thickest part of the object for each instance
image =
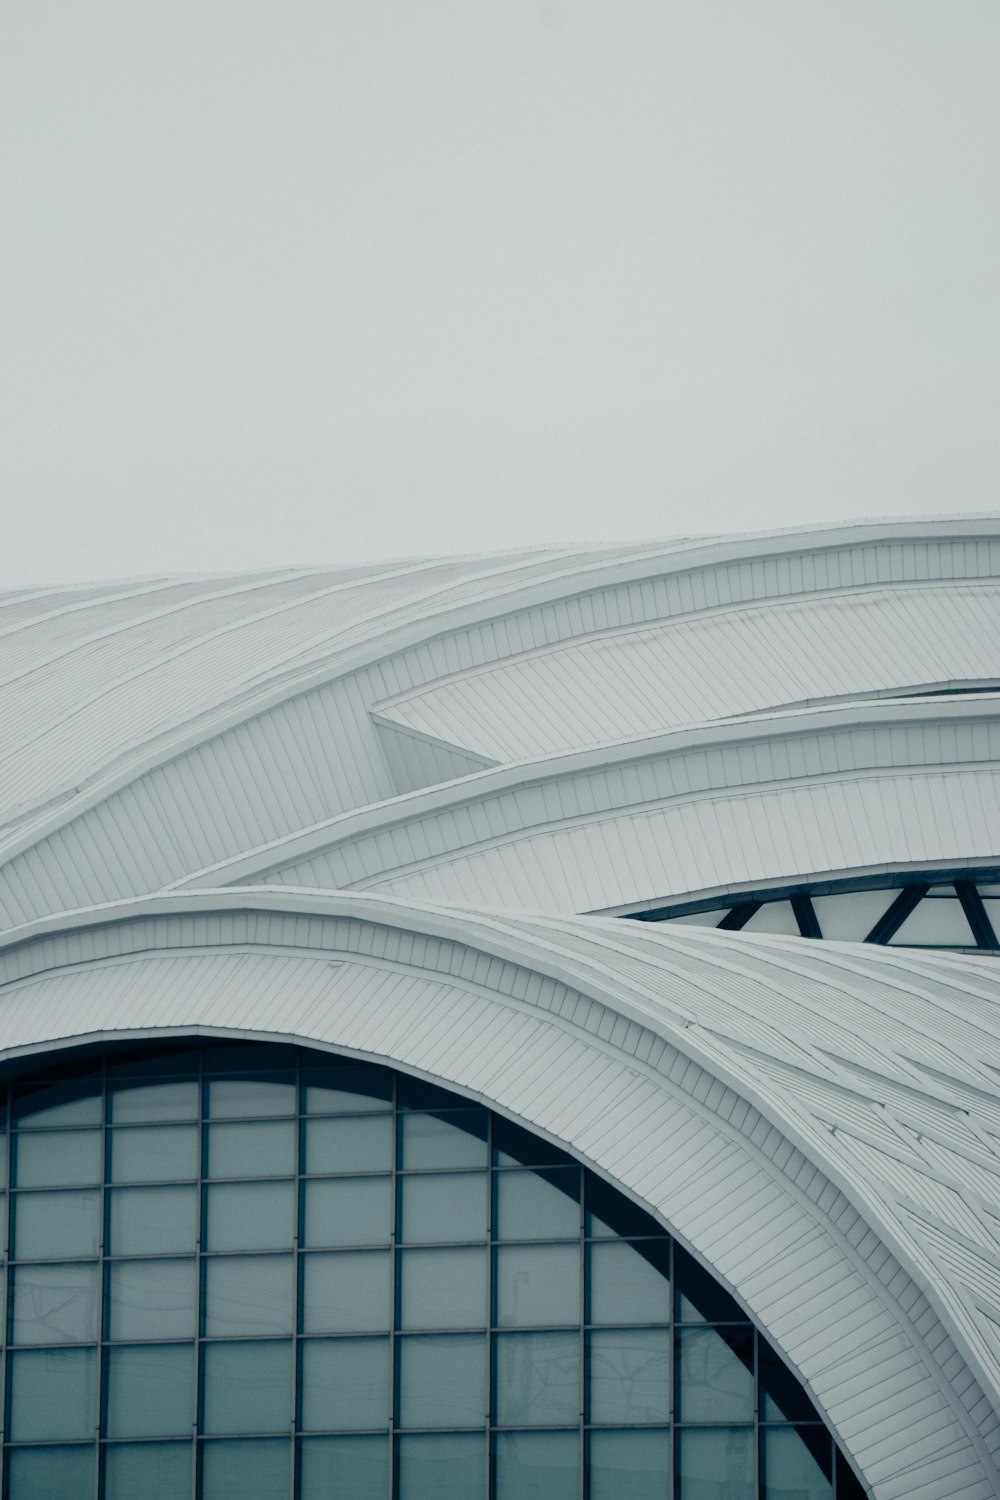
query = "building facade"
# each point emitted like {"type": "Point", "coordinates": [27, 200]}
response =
{"type": "Point", "coordinates": [517, 1028]}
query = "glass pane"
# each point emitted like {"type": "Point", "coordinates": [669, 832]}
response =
{"type": "Point", "coordinates": [55, 1304]}
{"type": "Point", "coordinates": [251, 1094]}
{"type": "Point", "coordinates": [444, 1206]}
{"type": "Point", "coordinates": [152, 1220]}
{"type": "Point", "coordinates": [249, 1294]}
{"type": "Point", "coordinates": [443, 1288]}
{"type": "Point", "coordinates": [147, 1471]}
{"type": "Point", "coordinates": [343, 1088]}
{"type": "Point", "coordinates": [630, 1375]}
{"type": "Point", "coordinates": [51, 1473]}
{"type": "Point", "coordinates": [457, 1139]}
{"type": "Point", "coordinates": [714, 1374]}
{"type": "Point", "coordinates": [57, 1158]}
{"type": "Point", "coordinates": [148, 1064]}
{"type": "Point", "coordinates": [345, 1384]}
{"type": "Point", "coordinates": [515, 1147]}
{"type": "Point", "coordinates": [442, 1466]}
{"type": "Point", "coordinates": [537, 1285]}
{"type": "Point", "coordinates": [782, 1397]}
{"type": "Point", "coordinates": [936, 923]}
{"type": "Point", "coordinates": [151, 1299]}
{"type": "Point", "coordinates": [538, 1466]}
{"type": "Point", "coordinates": [250, 1057]}
{"type": "Point", "coordinates": [265, 1150]}
{"type": "Point", "coordinates": [628, 1283]}
{"type": "Point", "coordinates": [850, 917]}
{"type": "Point", "coordinates": [537, 1379]}
{"type": "Point", "coordinates": [697, 918]}
{"type": "Point", "coordinates": [538, 1205]}
{"type": "Point", "coordinates": [47, 1225]}
{"type": "Point", "coordinates": [700, 1298]}
{"type": "Point", "coordinates": [362, 1144]}
{"type": "Point", "coordinates": [774, 916]}
{"type": "Point", "coordinates": [350, 1292]}
{"type": "Point", "coordinates": [153, 1153]}
{"type": "Point", "coordinates": [250, 1216]}
{"type": "Point", "coordinates": [715, 1463]}
{"type": "Point", "coordinates": [347, 1211]}
{"type": "Point", "coordinates": [74, 1101]}
{"type": "Point", "coordinates": [636, 1464]}
{"type": "Point", "coordinates": [798, 1464]}
{"type": "Point", "coordinates": [52, 1395]}
{"type": "Point", "coordinates": [150, 1390]}
{"type": "Point", "coordinates": [442, 1381]}
{"type": "Point", "coordinates": [132, 1103]}
{"type": "Point", "coordinates": [234, 1469]}
{"type": "Point", "coordinates": [246, 1387]}
{"type": "Point", "coordinates": [610, 1215]}
{"type": "Point", "coordinates": [344, 1468]}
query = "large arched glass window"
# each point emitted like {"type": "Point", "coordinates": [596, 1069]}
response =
{"type": "Point", "coordinates": [261, 1271]}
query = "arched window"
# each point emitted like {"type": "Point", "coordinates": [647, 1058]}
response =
{"type": "Point", "coordinates": [253, 1270]}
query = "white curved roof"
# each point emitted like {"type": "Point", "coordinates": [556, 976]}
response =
{"type": "Point", "coordinates": [273, 804]}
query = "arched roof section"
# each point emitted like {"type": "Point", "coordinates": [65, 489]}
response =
{"type": "Point", "coordinates": [818, 1123]}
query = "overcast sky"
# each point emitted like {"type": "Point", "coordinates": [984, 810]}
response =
{"type": "Point", "coordinates": [332, 280]}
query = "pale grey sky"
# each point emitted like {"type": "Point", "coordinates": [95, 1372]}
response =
{"type": "Point", "coordinates": [330, 280]}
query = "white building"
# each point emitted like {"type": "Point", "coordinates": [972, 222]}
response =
{"type": "Point", "coordinates": [260, 833]}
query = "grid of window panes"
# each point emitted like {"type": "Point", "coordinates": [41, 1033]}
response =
{"type": "Point", "coordinates": [244, 1270]}
{"type": "Point", "coordinates": [951, 909]}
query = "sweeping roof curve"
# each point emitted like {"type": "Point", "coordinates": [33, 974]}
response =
{"type": "Point", "coordinates": [876, 1068]}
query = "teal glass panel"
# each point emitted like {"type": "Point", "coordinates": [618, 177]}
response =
{"type": "Point", "coordinates": [344, 1384]}
{"type": "Point", "coordinates": [362, 1144]}
{"type": "Point", "coordinates": [235, 1469]}
{"type": "Point", "coordinates": [700, 1298]}
{"type": "Point", "coordinates": [249, 1057]}
{"type": "Point", "coordinates": [250, 1216]}
{"type": "Point", "coordinates": [147, 1471]}
{"type": "Point", "coordinates": [344, 1468]}
{"type": "Point", "coordinates": [55, 1304]}
{"type": "Point", "coordinates": [57, 1158]}
{"type": "Point", "coordinates": [456, 1139]}
{"type": "Point", "coordinates": [443, 1288]}
{"type": "Point", "coordinates": [250, 1095]}
{"type": "Point", "coordinates": [537, 1285]}
{"type": "Point", "coordinates": [246, 1387]}
{"type": "Point", "coordinates": [439, 1206]}
{"type": "Point", "coordinates": [348, 1292]}
{"type": "Point", "coordinates": [632, 1463]}
{"type": "Point", "coordinates": [131, 1102]}
{"type": "Point", "coordinates": [515, 1147]}
{"type": "Point", "coordinates": [52, 1395]}
{"type": "Point", "coordinates": [538, 1205]}
{"type": "Point", "coordinates": [537, 1379]}
{"type": "Point", "coordinates": [782, 1398]}
{"type": "Point", "coordinates": [151, 1299]}
{"type": "Point", "coordinates": [347, 1211]}
{"type": "Point", "coordinates": [628, 1283]}
{"type": "Point", "coordinates": [153, 1153]}
{"type": "Point", "coordinates": [74, 1101]}
{"type": "Point", "coordinates": [715, 1463]}
{"type": "Point", "coordinates": [609, 1215]}
{"type": "Point", "coordinates": [714, 1374]}
{"type": "Point", "coordinates": [798, 1463]}
{"type": "Point", "coordinates": [251, 1150]}
{"type": "Point", "coordinates": [630, 1375]}
{"type": "Point", "coordinates": [346, 1088]}
{"type": "Point", "coordinates": [247, 1294]}
{"type": "Point", "coordinates": [442, 1466]}
{"type": "Point", "coordinates": [150, 1390]}
{"type": "Point", "coordinates": [538, 1466]}
{"type": "Point", "coordinates": [51, 1473]}
{"type": "Point", "coordinates": [48, 1226]}
{"type": "Point", "coordinates": [152, 1220]}
{"type": "Point", "coordinates": [442, 1380]}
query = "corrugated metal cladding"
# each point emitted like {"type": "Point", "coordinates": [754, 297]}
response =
{"type": "Point", "coordinates": [226, 802]}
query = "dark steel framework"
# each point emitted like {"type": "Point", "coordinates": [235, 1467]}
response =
{"type": "Point", "coordinates": [344, 1095]}
{"type": "Point", "coordinates": [913, 888]}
